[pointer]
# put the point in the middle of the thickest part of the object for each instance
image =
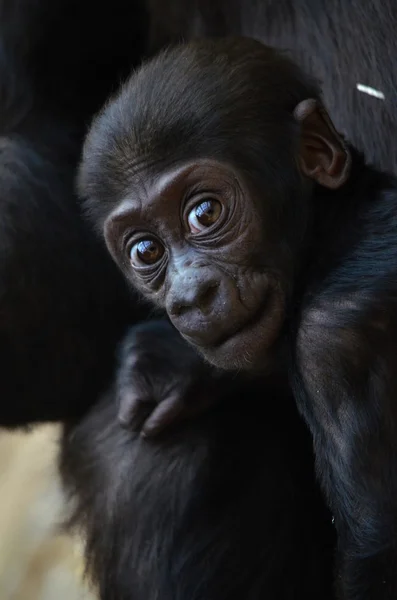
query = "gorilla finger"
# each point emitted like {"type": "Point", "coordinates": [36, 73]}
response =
{"type": "Point", "coordinates": [133, 410]}
{"type": "Point", "coordinates": [166, 413]}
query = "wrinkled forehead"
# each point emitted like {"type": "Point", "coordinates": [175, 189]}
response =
{"type": "Point", "coordinates": [154, 187]}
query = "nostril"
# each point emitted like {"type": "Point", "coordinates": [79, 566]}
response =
{"type": "Point", "coordinates": [177, 309]}
{"type": "Point", "coordinates": [207, 296]}
{"type": "Point", "coordinates": [196, 295]}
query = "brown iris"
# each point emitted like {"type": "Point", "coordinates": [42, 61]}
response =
{"type": "Point", "coordinates": [204, 215]}
{"type": "Point", "coordinates": [146, 252]}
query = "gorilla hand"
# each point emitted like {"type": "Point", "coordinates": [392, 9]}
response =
{"type": "Point", "coordinates": [161, 380]}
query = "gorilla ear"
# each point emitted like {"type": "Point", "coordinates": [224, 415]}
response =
{"type": "Point", "coordinates": [323, 155]}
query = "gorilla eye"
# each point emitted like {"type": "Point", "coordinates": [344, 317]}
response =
{"type": "Point", "coordinates": [203, 215]}
{"type": "Point", "coordinates": [146, 252]}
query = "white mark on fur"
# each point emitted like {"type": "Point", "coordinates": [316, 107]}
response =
{"type": "Point", "coordinates": [366, 89]}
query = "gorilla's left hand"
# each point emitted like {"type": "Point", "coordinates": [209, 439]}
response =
{"type": "Point", "coordinates": [161, 380]}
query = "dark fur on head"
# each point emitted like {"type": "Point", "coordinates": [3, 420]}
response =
{"type": "Point", "coordinates": [186, 104]}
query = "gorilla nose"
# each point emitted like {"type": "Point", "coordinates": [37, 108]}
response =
{"type": "Point", "coordinates": [199, 303]}
{"type": "Point", "coordinates": [195, 294]}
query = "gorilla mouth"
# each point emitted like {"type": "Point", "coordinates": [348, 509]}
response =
{"type": "Point", "coordinates": [247, 344]}
{"type": "Point", "coordinates": [246, 327]}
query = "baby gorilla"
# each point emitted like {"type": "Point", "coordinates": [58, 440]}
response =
{"type": "Point", "coordinates": [227, 197]}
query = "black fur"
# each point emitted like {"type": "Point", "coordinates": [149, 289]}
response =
{"type": "Point", "coordinates": [341, 42]}
{"type": "Point", "coordinates": [224, 508]}
{"type": "Point", "coordinates": [321, 287]}
{"type": "Point", "coordinates": [63, 305]}
{"type": "Point", "coordinates": [344, 374]}
{"type": "Point", "coordinates": [58, 62]}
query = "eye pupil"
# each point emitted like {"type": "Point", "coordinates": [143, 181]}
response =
{"type": "Point", "coordinates": [147, 251]}
{"type": "Point", "coordinates": [204, 214]}
{"type": "Point", "coordinates": [207, 212]}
